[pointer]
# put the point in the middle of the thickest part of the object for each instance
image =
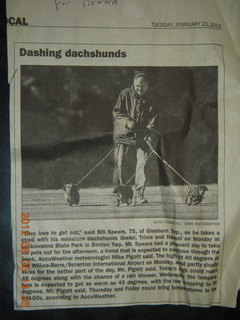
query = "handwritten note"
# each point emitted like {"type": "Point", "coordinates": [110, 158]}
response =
{"type": "Point", "coordinates": [61, 3]}
{"type": "Point", "coordinates": [90, 3]}
{"type": "Point", "coordinates": [85, 3]}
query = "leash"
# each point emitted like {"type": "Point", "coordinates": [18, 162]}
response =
{"type": "Point", "coordinates": [167, 164]}
{"type": "Point", "coordinates": [144, 162]}
{"type": "Point", "coordinates": [97, 165]}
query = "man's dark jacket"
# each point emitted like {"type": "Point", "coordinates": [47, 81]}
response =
{"type": "Point", "coordinates": [139, 109]}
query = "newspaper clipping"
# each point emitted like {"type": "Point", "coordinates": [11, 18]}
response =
{"type": "Point", "coordinates": [124, 189]}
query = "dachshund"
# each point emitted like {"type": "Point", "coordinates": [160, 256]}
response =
{"type": "Point", "coordinates": [71, 194]}
{"type": "Point", "coordinates": [195, 195]}
{"type": "Point", "coordinates": [124, 194]}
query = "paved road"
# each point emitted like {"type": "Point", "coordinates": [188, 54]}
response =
{"type": "Point", "coordinates": [164, 202]}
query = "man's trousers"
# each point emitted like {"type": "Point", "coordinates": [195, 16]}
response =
{"type": "Point", "coordinates": [131, 161]}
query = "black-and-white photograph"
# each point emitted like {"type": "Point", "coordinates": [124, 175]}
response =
{"type": "Point", "coordinates": [119, 142]}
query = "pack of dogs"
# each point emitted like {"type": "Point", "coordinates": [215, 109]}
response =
{"type": "Point", "coordinates": [124, 194]}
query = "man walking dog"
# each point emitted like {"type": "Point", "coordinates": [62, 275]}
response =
{"type": "Point", "coordinates": [134, 121]}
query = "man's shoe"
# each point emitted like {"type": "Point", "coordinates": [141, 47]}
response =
{"type": "Point", "coordinates": [141, 200]}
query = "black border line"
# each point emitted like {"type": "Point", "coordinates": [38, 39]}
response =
{"type": "Point", "coordinates": [155, 303]}
{"type": "Point", "coordinates": [224, 156]}
{"type": "Point", "coordinates": [15, 168]}
{"type": "Point", "coordinates": [123, 44]}
{"type": "Point", "coordinates": [158, 303]}
{"type": "Point", "coordinates": [114, 28]}
{"type": "Point", "coordinates": [122, 218]}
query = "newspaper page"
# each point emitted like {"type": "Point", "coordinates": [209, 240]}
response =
{"type": "Point", "coordinates": [124, 139]}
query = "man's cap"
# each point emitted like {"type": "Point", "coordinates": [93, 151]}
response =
{"type": "Point", "coordinates": [138, 73]}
